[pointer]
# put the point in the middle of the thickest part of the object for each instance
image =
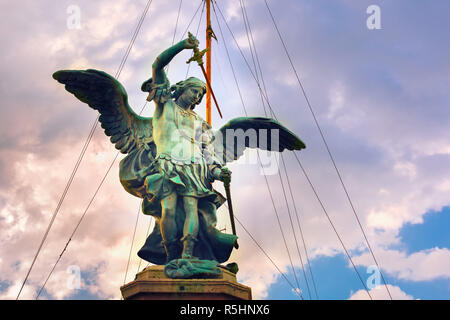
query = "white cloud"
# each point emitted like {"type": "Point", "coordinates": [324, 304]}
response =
{"type": "Point", "coordinates": [407, 169]}
{"type": "Point", "coordinates": [424, 265]}
{"type": "Point", "coordinates": [380, 293]}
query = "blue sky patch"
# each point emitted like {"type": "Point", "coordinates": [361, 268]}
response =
{"type": "Point", "coordinates": [433, 232]}
{"type": "Point", "coordinates": [333, 277]}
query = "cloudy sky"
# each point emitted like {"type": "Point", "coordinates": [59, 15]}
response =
{"type": "Point", "coordinates": [381, 97]}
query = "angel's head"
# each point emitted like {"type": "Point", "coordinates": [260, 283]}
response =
{"type": "Point", "coordinates": [188, 93]}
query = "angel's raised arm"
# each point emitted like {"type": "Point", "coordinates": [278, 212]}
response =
{"type": "Point", "coordinates": [158, 86]}
{"type": "Point", "coordinates": [159, 76]}
{"type": "Point", "coordinates": [158, 73]}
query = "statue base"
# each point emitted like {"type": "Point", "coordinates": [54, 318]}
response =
{"type": "Point", "coordinates": [153, 284]}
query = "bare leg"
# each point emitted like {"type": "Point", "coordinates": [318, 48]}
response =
{"type": "Point", "coordinates": [191, 223]}
{"type": "Point", "coordinates": [168, 224]}
{"type": "Point", "coordinates": [190, 229]}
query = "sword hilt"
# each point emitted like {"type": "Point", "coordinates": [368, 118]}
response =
{"type": "Point", "coordinates": [198, 55]}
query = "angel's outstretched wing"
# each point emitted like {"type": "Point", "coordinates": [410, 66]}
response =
{"type": "Point", "coordinates": [233, 138]}
{"type": "Point", "coordinates": [128, 131]}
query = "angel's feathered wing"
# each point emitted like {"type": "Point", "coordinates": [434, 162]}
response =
{"type": "Point", "coordinates": [129, 132]}
{"type": "Point", "coordinates": [234, 137]}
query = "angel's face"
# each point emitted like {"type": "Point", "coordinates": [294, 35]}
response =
{"type": "Point", "coordinates": [192, 96]}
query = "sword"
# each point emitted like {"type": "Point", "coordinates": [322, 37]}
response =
{"type": "Point", "coordinates": [198, 57]}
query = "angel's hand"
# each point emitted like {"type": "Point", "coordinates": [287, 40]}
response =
{"type": "Point", "coordinates": [225, 175]}
{"type": "Point", "coordinates": [191, 42]}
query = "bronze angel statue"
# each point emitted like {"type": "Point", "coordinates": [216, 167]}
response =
{"type": "Point", "coordinates": [173, 157]}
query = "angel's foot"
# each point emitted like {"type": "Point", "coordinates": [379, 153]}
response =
{"type": "Point", "coordinates": [188, 247]}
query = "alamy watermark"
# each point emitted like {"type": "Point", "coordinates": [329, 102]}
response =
{"type": "Point", "coordinates": [373, 22]}
{"type": "Point", "coordinates": [222, 147]}
{"type": "Point", "coordinates": [374, 280]}
{"type": "Point", "coordinates": [74, 279]}
{"type": "Point", "coordinates": [74, 17]}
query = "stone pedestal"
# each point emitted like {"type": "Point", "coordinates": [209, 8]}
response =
{"type": "Point", "coordinates": [153, 284]}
